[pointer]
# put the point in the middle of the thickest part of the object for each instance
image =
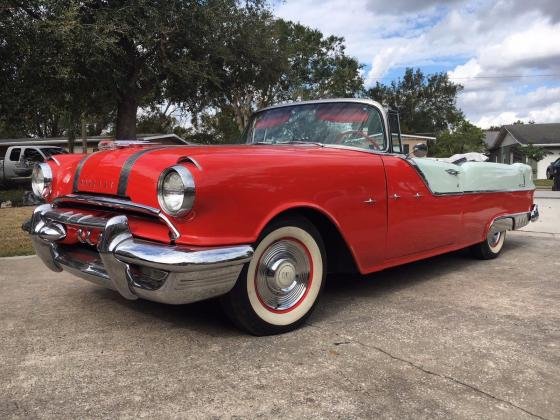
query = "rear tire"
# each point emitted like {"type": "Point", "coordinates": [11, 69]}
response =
{"type": "Point", "coordinates": [278, 290]}
{"type": "Point", "coordinates": [491, 247]}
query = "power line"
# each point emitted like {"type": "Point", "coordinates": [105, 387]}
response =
{"type": "Point", "coordinates": [510, 76]}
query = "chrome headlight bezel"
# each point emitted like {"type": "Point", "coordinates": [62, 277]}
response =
{"type": "Point", "coordinates": [188, 191]}
{"type": "Point", "coordinates": [41, 187]}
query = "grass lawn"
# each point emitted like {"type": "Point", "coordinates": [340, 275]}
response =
{"type": "Point", "coordinates": [15, 195]}
{"type": "Point", "coordinates": [543, 183]}
{"type": "Point", "coordinates": [13, 240]}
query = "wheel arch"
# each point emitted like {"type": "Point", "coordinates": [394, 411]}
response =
{"type": "Point", "coordinates": [340, 258]}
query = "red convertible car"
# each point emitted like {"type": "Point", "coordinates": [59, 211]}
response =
{"type": "Point", "coordinates": [317, 186]}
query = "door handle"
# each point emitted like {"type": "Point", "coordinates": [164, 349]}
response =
{"type": "Point", "coordinates": [418, 195]}
{"type": "Point", "coordinates": [370, 201]}
{"type": "Point", "coordinates": [452, 172]}
{"type": "Point", "coordinates": [395, 196]}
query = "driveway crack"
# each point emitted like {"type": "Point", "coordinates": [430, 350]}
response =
{"type": "Point", "coordinates": [433, 373]}
{"type": "Point", "coordinates": [450, 378]}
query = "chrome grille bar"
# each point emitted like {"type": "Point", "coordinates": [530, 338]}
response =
{"type": "Point", "coordinates": [75, 218]}
{"type": "Point", "coordinates": [117, 204]}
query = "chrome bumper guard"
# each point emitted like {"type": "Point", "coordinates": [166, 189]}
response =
{"type": "Point", "coordinates": [515, 221]}
{"type": "Point", "coordinates": [135, 268]}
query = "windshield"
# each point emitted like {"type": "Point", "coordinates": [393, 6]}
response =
{"type": "Point", "coordinates": [349, 124]}
{"type": "Point", "coordinates": [49, 151]}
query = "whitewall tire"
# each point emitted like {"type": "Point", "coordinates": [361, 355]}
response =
{"type": "Point", "coordinates": [491, 247]}
{"type": "Point", "coordinates": [279, 288]}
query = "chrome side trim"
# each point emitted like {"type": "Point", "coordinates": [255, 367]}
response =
{"type": "Point", "coordinates": [135, 268]}
{"type": "Point", "coordinates": [118, 204]}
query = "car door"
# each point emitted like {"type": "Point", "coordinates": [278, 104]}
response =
{"type": "Point", "coordinates": [418, 221]}
{"type": "Point", "coordinates": [15, 168]}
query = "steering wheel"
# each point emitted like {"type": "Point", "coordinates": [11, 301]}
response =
{"type": "Point", "coordinates": [342, 135]}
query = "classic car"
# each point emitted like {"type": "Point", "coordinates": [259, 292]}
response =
{"type": "Point", "coordinates": [317, 186]}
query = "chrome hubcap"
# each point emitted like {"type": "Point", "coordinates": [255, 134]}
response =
{"type": "Point", "coordinates": [283, 274]}
{"type": "Point", "coordinates": [494, 238]}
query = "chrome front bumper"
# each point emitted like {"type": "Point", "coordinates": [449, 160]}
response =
{"type": "Point", "coordinates": [135, 268]}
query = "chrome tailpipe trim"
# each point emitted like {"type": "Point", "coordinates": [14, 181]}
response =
{"type": "Point", "coordinates": [136, 268]}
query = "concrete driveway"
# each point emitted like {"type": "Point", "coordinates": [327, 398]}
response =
{"type": "Point", "coordinates": [446, 337]}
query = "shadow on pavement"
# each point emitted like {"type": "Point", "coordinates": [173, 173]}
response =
{"type": "Point", "coordinates": [207, 317]}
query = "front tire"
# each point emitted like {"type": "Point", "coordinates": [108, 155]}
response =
{"type": "Point", "coordinates": [277, 291]}
{"type": "Point", "coordinates": [491, 247]}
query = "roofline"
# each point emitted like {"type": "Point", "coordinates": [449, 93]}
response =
{"type": "Point", "coordinates": [511, 134]}
{"type": "Point", "coordinates": [46, 141]}
{"type": "Point", "coordinates": [324, 101]}
{"type": "Point", "coordinates": [418, 137]}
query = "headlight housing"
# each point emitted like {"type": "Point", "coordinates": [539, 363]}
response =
{"type": "Point", "coordinates": [176, 190]}
{"type": "Point", "coordinates": [41, 180]}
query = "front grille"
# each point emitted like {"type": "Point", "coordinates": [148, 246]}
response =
{"type": "Point", "coordinates": [110, 206]}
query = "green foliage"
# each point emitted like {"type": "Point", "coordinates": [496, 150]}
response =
{"type": "Point", "coordinates": [265, 60]}
{"type": "Point", "coordinates": [426, 104]}
{"type": "Point", "coordinates": [68, 61]}
{"type": "Point", "coordinates": [462, 138]}
{"type": "Point", "coordinates": [532, 152]}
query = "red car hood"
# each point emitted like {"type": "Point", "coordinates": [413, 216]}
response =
{"type": "Point", "coordinates": [111, 172]}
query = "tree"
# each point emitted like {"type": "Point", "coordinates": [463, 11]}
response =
{"type": "Point", "coordinates": [533, 152]}
{"type": "Point", "coordinates": [265, 60]}
{"type": "Point", "coordinates": [462, 138]}
{"type": "Point", "coordinates": [97, 56]}
{"type": "Point", "coordinates": [426, 104]}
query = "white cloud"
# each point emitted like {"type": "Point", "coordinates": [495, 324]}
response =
{"type": "Point", "coordinates": [488, 38]}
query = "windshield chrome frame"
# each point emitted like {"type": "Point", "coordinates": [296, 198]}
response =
{"type": "Point", "coordinates": [382, 111]}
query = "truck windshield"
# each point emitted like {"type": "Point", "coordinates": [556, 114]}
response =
{"type": "Point", "coordinates": [349, 124]}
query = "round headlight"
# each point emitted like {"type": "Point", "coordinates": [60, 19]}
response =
{"type": "Point", "coordinates": [176, 190]}
{"type": "Point", "coordinates": [41, 180]}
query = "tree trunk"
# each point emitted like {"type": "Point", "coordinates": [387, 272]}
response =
{"type": "Point", "coordinates": [84, 136]}
{"type": "Point", "coordinates": [71, 139]}
{"type": "Point", "coordinates": [126, 118]}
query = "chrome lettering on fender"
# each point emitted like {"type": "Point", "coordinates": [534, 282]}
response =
{"type": "Point", "coordinates": [96, 184]}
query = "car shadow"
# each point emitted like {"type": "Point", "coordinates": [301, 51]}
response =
{"type": "Point", "coordinates": [207, 317]}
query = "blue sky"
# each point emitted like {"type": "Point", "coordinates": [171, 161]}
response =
{"type": "Point", "coordinates": [479, 43]}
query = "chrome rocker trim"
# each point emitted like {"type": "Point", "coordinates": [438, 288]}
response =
{"type": "Point", "coordinates": [136, 268]}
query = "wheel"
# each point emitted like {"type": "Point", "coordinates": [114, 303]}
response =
{"type": "Point", "coordinates": [491, 247]}
{"type": "Point", "coordinates": [277, 291]}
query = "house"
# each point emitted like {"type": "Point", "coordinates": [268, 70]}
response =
{"type": "Point", "coordinates": [506, 144]}
{"type": "Point", "coordinates": [410, 140]}
{"type": "Point", "coordinates": [92, 141]}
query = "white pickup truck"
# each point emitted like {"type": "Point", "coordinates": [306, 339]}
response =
{"type": "Point", "coordinates": [18, 162]}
